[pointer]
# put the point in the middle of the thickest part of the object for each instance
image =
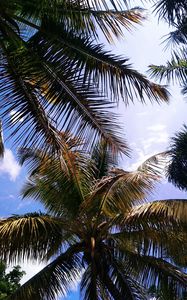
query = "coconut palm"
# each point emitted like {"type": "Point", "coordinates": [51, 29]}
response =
{"type": "Point", "coordinates": [56, 75]}
{"type": "Point", "coordinates": [97, 229]}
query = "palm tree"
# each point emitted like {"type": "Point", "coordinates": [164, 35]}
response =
{"type": "Point", "coordinates": [97, 229]}
{"type": "Point", "coordinates": [175, 71]}
{"type": "Point", "coordinates": [55, 75]}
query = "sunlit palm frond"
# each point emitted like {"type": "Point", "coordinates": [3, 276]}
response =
{"type": "Point", "coordinates": [119, 191]}
{"type": "Point", "coordinates": [60, 190]}
{"type": "Point", "coordinates": [56, 278]}
{"type": "Point", "coordinates": [29, 236]}
{"type": "Point", "coordinates": [166, 211]}
{"type": "Point", "coordinates": [55, 194]}
{"type": "Point", "coordinates": [155, 165]}
{"type": "Point", "coordinates": [111, 22]}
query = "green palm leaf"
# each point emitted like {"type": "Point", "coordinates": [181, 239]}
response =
{"type": "Point", "coordinates": [53, 74]}
{"type": "Point", "coordinates": [174, 70]}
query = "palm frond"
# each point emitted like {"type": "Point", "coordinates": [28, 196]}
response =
{"type": "Point", "coordinates": [2, 148]}
{"type": "Point", "coordinates": [171, 10]}
{"type": "Point", "coordinates": [153, 238]}
{"type": "Point", "coordinates": [170, 210]}
{"type": "Point", "coordinates": [179, 35]}
{"type": "Point", "coordinates": [29, 236]}
{"type": "Point", "coordinates": [80, 111]}
{"type": "Point", "coordinates": [89, 283]}
{"type": "Point", "coordinates": [103, 159]}
{"type": "Point", "coordinates": [111, 22]}
{"type": "Point", "coordinates": [119, 191]}
{"type": "Point", "coordinates": [56, 278]}
{"type": "Point", "coordinates": [151, 270]}
{"type": "Point", "coordinates": [60, 190]}
{"type": "Point", "coordinates": [117, 281]}
{"type": "Point", "coordinates": [31, 120]}
{"type": "Point", "coordinates": [174, 70]}
{"type": "Point", "coordinates": [177, 168]}
{"type": "Point", "coordinates": [155, 165]}
{"type": "Point", "coordinates": [110, 72]}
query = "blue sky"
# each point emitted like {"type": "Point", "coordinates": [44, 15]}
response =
{"type": "Point", "coordinates": [148, 128]}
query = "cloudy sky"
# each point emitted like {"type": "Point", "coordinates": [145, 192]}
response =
{"type": "Point", "coordinates": [148, 128]}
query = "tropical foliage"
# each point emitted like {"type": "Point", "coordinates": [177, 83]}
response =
{"type": "Point", "coordinates": [55, 75]}
{"type": "Point", "coordinates": [175, 71]}
{"type": "Point", "coordinates": [9, 281]}
{"type": "Point", "coordinates": [98, 228]}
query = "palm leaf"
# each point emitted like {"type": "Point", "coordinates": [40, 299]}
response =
{"type": "Point", "coordinates": [2, 149]}
{"type": "Point", "coordinates": [151, 270]}
{"type": "Point", "coordinates": [86, 20]}
{"type": "Point", "coordinates": [155, 239]}
{"type": "Point", "coordinates": [155, 164]}
{"type": "Point", "coordinates": [166, 210]}
{"type": "Point", "coordinates": [177, 171]}
{"type": "Point", "coordinates": [119, 191]}
{"type": "Point", "coordinates": [174, 70]}
{"type": "Point", "coordinates": [179, 35]}
{"type": "Point", "coordinates": [29, 236]}
{"type": "Point", "coordinates": [118, 283]}
{"type": "Point", "coordinates": [32, 121]}
{"type": "Point", "coordinates": [171, 10]}
{"type": "Point", "coordinates": [56, 278]}
{"type": "Point", "coordinates": [89, 283]}
{"type": "Point", "coordinates": [60, 190]}
{"type": "Point", "coordinates": [101, 67]}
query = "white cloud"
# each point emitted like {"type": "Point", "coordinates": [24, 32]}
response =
{"type": "Point", "coordinates": [157, 136]}
{"type": "Point", "coordinates": [31, 269]}
{"type": "Point", "coordinates": [157, 127]}
{"type": "Point", "coordinates": [9, 165]}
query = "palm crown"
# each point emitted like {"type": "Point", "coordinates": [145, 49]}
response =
{"type": "Point", "coordinates": [98, 229]}
{"type": "Point", "coordinates": [55, 76]}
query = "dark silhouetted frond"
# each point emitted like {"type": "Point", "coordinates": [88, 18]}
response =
{"type": "Point", "coordinates": [177, 168]}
